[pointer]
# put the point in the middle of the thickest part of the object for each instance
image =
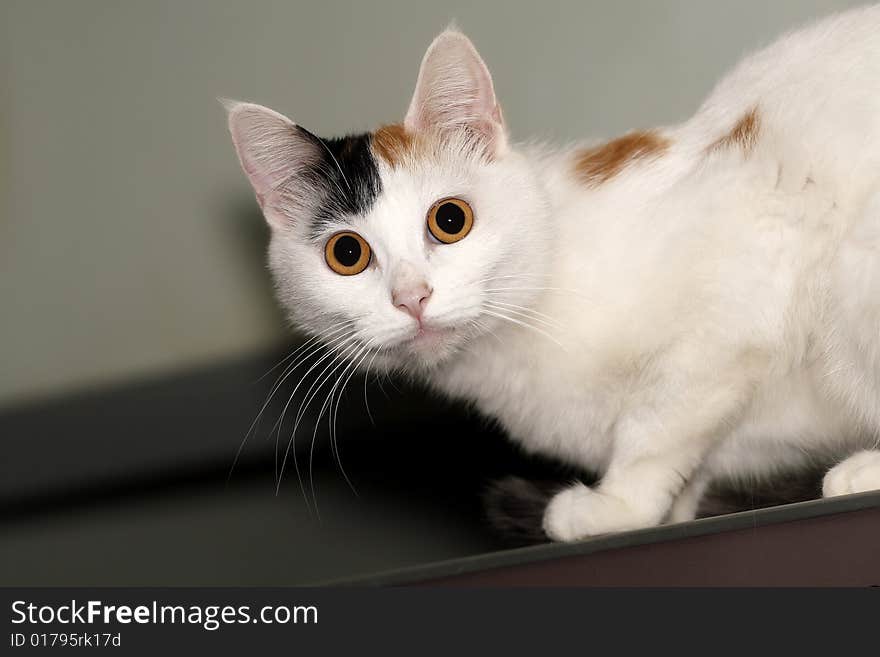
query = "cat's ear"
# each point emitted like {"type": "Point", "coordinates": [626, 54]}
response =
{"type": "Point", "coordinates": [277, 155]}
{"type": "Point", "coordinates": [454, 91]}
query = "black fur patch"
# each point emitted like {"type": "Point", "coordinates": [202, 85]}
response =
{"type": "Point", "coordinates": [515, 508]}
{"type": "Point", "coordinates": [785, 488]}
{"type": "Point", "coordinates": [348, 174]}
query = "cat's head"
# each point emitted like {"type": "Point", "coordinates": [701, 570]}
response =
{"type": "Point", "coordinates": [409, 242]}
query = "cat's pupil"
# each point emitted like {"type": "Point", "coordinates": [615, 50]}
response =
{"type": "Point", "coordinates": [450, 218]}
{"type": "Point", "coordinates": [347, 251]}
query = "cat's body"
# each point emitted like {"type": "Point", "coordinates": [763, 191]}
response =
{"type": "Point", "coordinates": [673, 307]}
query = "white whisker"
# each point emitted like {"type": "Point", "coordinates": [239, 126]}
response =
{"type": "Point", "coordinates": [521, 313]}
{"type": "Point", "coordinates": [356, 351]}
{"type": "Point", "coordinates": [333, 434]}
{"type": "Point", "coordinates": [342, 344]}
{"type": "Point", "coordinates": [509, 276]}
{"type": "Point", "coordinates": [276, 386]}
{"type": "Point", "coordinates": [480, 325]}
{"type": "Point", "coordinates": [366, 380]}
{"type": "Point", "coordinates": [529, 289]}
{"type": "Point", "coordinates": [525, 325]}
{"type": "Point", "coordinates": [526, 309]}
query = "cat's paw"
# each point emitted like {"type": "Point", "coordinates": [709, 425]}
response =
{"type": "Point", "coordinates": [579, 512]}
{"type": "Point", "coordinates": [565, 516]}
{"type": "Point", "coordinates": [857, 474]}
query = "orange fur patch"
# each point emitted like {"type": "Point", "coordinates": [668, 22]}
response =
{"type": "Point", "coordinates": [743, 135]}
{"type": "Point", "coordinates": [392, 143]}
{"type": "Point", "coordinates": [598, 164]}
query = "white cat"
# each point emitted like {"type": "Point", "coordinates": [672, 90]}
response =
{"type": "Point", "coordinates": [676, 306]}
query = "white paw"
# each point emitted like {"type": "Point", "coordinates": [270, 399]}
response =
{"type": "Point", "coordinates": [857, 474]}
{"type": "Point", "coordinates": [564, 517]}
{"type": "Point", "coordinates": [579, 512]}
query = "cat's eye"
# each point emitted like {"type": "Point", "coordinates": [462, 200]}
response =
{"type": "Point", "coordinates": [347, 253]}
{"type": "Point", "coordinates": [450, 219]}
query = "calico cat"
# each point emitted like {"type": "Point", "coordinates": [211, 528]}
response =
{"type": "Point", "coordinates": [669, 308]}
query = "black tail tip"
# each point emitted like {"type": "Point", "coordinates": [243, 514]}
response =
{"type": "Point", "coordinates": [515, 508]}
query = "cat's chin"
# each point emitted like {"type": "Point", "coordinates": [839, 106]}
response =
{"type": "Point", "coordinates": [429, 343]}
{"type": "Point", "coordinates": [430, 338]}
{"type": "Point", "coordinates": [429, 346]}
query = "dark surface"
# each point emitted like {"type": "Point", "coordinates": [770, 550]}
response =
{"type": "Point", "coordinates": [129, 485]}
{"type": "Point", "coordinates": [132, 486]}
{"type": "Point", "coordinates": [833, 542]}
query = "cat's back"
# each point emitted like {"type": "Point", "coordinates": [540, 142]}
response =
{"type": "Point", "coordinates": [813, 103]}
{"type": "Point", "coordinates": [812, 94]}
{"type": "Point", "coordinates": [837, 55]}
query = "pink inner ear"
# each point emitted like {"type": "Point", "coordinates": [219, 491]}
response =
{"type": "Point", "coordinates": [454, 91]}
{"type": "Point", "coordinates": [273, 153]}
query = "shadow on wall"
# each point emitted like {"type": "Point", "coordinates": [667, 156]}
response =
{"type": "Point", "coordinates": [244, 226]}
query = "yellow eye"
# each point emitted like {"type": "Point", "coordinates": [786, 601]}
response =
{"type": "Point", "coordinates": [347, 253]}
{"type": "Point", "coordinates": [450, 219]}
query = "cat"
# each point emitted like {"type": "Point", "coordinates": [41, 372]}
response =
{"type": "Point", "coordinates": [670, 308]}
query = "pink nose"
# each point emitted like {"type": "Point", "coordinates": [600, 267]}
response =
{"type": "Point", "coordinates": [412, 300]}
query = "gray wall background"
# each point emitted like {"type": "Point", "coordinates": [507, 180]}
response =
{"type": "Point", "coordinates": [129, 240]}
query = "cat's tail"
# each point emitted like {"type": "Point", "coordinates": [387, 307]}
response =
{"type": "Point", "coordinates": [515, 506]}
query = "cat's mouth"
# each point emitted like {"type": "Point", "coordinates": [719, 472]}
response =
{"type": "Point", "coordinates": [428, 336]}
{"type": "Point", "coordinates": [426, 341]}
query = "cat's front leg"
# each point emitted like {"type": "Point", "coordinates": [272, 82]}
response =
{"type": "Point", "coordinates": [639, 495]}
{"type": "Point", "coordinates": [686, 504]}
{"type": "Point", "coordinates": [657, 451]}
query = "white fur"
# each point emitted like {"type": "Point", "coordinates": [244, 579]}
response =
{"type": "Point", "coordinates": [708, 314]}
